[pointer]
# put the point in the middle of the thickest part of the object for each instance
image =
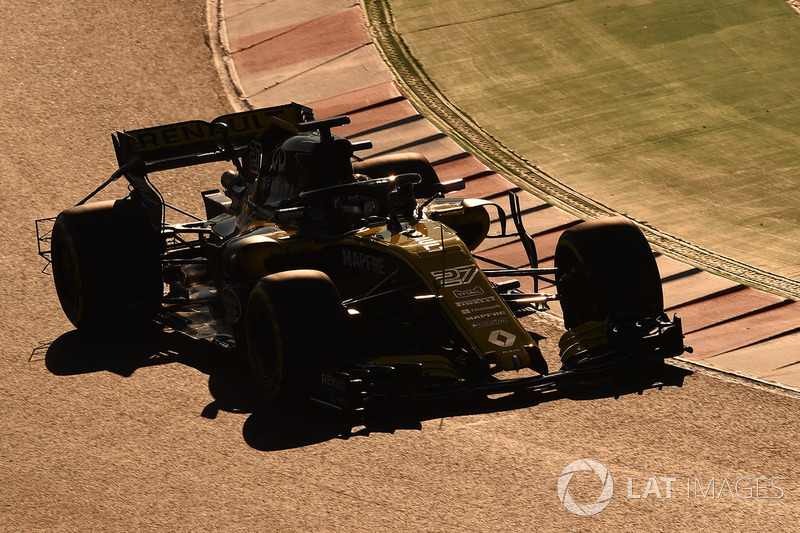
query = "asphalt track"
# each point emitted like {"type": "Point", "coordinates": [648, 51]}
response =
{"type": "Point", "coordinates": [165, 435]}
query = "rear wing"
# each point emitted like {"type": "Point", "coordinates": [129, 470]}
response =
{"type": "Point", "coordinates": [195, 142]}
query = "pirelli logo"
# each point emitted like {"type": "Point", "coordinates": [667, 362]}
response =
{"type": "Point", "coordinates": [476, 301]}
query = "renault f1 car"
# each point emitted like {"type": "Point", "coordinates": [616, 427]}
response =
{"type": "Point", "coordinates": [350, 282]}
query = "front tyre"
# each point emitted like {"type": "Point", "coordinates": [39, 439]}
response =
{"type": "Point", "coordinates": [294, 319]}
{"type": "Point", "coordinates": [606, 271]}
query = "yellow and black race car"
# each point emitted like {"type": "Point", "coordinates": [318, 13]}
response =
{"type": "Point", "coordinates": [344, 282]}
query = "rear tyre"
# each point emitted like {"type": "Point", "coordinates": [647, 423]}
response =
{"type": "Point", "coordinates": [606, 270]}
{"type": "Point", "coordinates": [294, 319]}
{"type": "Point", "coordinates": [107, 266]}
{"type": "Point", "coordinates": [404, 163]}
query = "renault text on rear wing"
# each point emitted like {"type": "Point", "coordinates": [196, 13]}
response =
{"type": "Point", "coordinates": [194, 142]}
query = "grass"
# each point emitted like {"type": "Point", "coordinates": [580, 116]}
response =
{"type": "Point", "coordinates": [684, 114]}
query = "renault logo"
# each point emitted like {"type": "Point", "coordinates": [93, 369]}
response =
{"type": "Point", "coordinates": [502, 338]}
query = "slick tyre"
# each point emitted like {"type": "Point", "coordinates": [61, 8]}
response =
{"type": "Point", "coordinates": [606, 270]}
{"type": "Point", "coordinates": [294, 320]}
{"type": "Point", "coordinates": [403, 163]}
{"type": "Point", "coordinates": [106, 260]}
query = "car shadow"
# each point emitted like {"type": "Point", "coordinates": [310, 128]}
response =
{"type": "Point", "coordinates": [230, 381]}
{"type": "Point", "coordinates": [271, 428]}
{"type": "Point", "coordinates": [76, 353]}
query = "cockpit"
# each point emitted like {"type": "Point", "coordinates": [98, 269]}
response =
{"type": "Point", "coordinates": [306, 162]}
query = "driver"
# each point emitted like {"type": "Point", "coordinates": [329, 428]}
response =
{"type": "Point", "coordinates": [306, 162]}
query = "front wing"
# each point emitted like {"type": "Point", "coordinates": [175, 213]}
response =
{"type": "Point", "coordinates": [363, 392]}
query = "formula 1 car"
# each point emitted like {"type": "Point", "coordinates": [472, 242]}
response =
{"type": "Point", "coordinates": [352, 283]}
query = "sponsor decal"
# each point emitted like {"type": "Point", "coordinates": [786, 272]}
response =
{"type": "Point", "coordinates": [430, 245]}
{"type": "Point", "coordinates": [455, 277]}
{"type": "Point", "coordinates": [468, 293]}
{"type": "Point", "coordinates": [278, 162]}
{"type": "Point", "coordinates": [481, 309]}
{"type": "Point", "coordinates": [332, 381]}
{"type": "Point", "coordinates": [256, 153]}
{"type": "Point", "coordinates": [487, 308]}
{"type": "Point", "coordinates": [476, 301]}
{"type": "Point", "coordinates": [188, 132]}
{"type": "Point", "coordinates": [490, 323]}
{"type": "Point", "coordinates": [231, 304]}
{"type": "Point", "coordinates": [502, 338]}
{"type": "Point", "coordinates": [363, 261]}
{"type": "Point", "coordinates": [485, 315]}
{"type": "Point", "coordinates": [173, 135]}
